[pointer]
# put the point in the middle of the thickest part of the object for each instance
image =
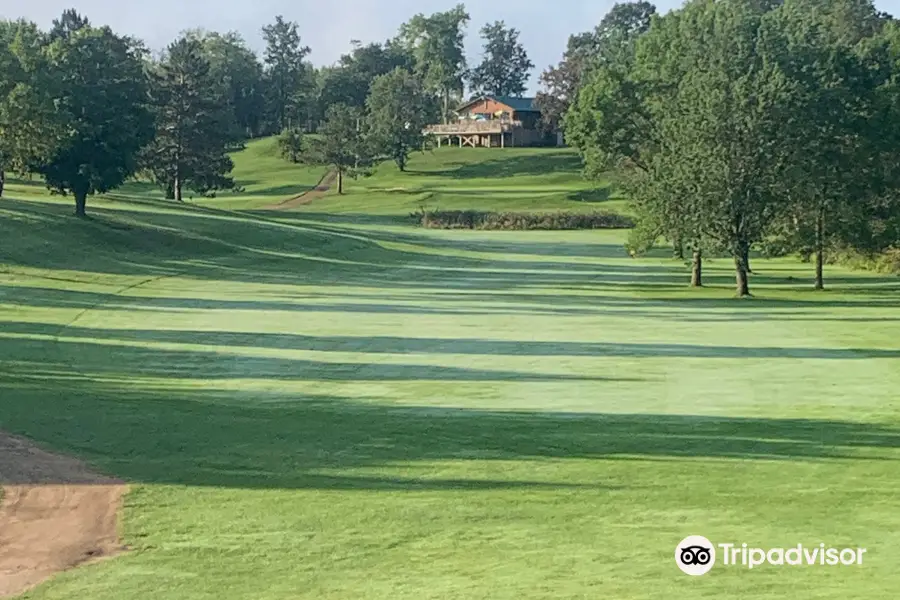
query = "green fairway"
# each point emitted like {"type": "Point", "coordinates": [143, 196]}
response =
{"type": "Point", "coordinates": [328, 404]}
{"type": "Point", "coordinates": [514, 179]}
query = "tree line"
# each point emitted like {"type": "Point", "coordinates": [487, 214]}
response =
{"type": "Point", "coordinates": [87, 108]}
{"type": "Point", "coordinates": [739, 125]}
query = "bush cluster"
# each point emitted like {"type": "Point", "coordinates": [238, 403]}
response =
{"type": "Point", "coordinates": [473, 219]}
{"type": "Point", "coordinates": [887, 261]}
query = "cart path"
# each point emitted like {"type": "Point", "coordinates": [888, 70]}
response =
{"type": "Point", "coordinates": [55, 514]}
{"type": "Point", "coordinates": [309, 195]}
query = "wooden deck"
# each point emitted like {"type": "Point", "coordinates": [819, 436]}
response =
{"type": "Point", "coordinates": [492, 133]}
{"type": "Point", "coordinates": [471, 127]}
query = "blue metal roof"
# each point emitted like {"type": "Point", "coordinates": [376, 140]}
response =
{"type": "Point", "coordinates": [517, 104]}
{"type": "Point", "coordinates": [520, 104]}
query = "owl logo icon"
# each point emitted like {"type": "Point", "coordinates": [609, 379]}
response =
{"type": "Point", "coordinates": [695, 555]}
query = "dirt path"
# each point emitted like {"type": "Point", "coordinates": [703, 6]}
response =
{"type": "Point", "coordinates": [55, 514]}
{"type": "Point", "coordinates": [308, 196]}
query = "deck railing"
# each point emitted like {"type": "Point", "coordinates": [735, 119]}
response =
{"type": "Point", "coordinates": [470, 127]}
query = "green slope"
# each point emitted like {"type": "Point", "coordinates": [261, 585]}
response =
{"type": "Point", "coordinates": [316, 409]}
{"type": "Point", "coordinates": [262, 176]}
{"type": "Point", "coordinates": [512, 179]}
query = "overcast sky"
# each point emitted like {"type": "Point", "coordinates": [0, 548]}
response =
{"type": "Point", "coordinates": [328, 26]}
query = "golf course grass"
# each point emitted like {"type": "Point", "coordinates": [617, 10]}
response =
{"type": "Point", "coordinates": [329, 403]}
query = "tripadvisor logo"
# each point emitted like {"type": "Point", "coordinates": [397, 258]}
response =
{"type": "Point", "coordinates": [696, 555]}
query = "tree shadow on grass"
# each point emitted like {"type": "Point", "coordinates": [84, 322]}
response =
{"type": "Point", "coordinates": [547, 162]}
{"type": "Point", "coordinates": [137, 358]}
{"type": "Point", "coordinates": [436, 296]}
{"type": "Point", "coordinates": [220, 438]}
{"type": "Point", "coordinates": [282, 191]}
{"type": "Point", "coordinates": [300, 216]}
{"type": "Point", "coordinates": [35, 184]}
{"type": "Point", "coordinates": [216, 246]}
{"type": "Point", "coordinates": [83, 341]}
{"type": "Point", "coordinates": [593, 195]}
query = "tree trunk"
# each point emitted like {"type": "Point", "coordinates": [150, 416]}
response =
{"type": "Point", "coordinates": [446, 110]}
{"type": "Point", "coordinates": [747, 259]}
{"type": "Point", "coordinates": [678, 250]}
{"type": "Point", "coordinates": [177, 189]}
{"type": "Point", "coordinates": [740, 270]}
{"type": "Point", "coordinates": [697, 269]}
{"type": "Point", "coordinates": [80, 203]}
{"type": "Point", "coordinates": [820, 249]}
{"type": "Point", "coordinates": [340, 181]}
{"type": "Point", "coordinates": [2, 182]}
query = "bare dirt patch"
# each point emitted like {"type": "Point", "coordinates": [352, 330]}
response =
{"type": "Point", "coordinates": [308, 196]}
{"type": "Point", "coordinates": [55, 514]}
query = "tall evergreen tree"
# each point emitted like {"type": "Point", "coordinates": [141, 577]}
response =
{"type": "Point", "coordinates": [192, 124]}
{"type": "Point", "coordinates": [505, 66]}
{"type": "Point", "coordinates": [290, 78]}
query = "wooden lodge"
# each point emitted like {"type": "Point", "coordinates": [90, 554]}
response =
{"type": "Point", "coordinates": [495, 122]}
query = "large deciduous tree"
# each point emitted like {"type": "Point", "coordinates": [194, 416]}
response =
{"type": "Point", "coordinates": [237, 69]}
{"type": "Point", "coordinates": [291, 144]}
{"type": "Point", "coordinates": [289, 77]}
{"type": "Point", "coordinates": [834, 140]}
{"type": "Point", "coordinates": [29, 128]}
{"type": "Point", "coordinates": [192, 123]}
{"type": "Point", "coordinates": [100, 94]}
{"type": "Point", "coordinates": [436, 41]}
{"type": "Point", "coordinates": [699, 116]}
{"type": "Point", "coordinates": [343, 143]}
{"type": "Point", "coordinates": [68, 23]}
{"type": "Point", "coordinates": [350, 81]}
{"type": "Point", "coordinates": [560, 84]}
{"type": "Point", "coordinates": [505, 66]}
{"type": "Point", "coordinates": [611, 42]}
{"type": "Point", "coordinates": [616, 35]}
{"type": "Point", "coordinates": [398, 112]}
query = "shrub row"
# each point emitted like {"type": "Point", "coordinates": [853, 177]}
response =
{"type": "Point", "coordinates": [881, 262]}
{"type": "Point", "coordinates": [473, 219]}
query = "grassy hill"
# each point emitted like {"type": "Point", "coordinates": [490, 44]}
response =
{"type": "Point", "coordinates": [522, 179]}
{"type": "Point", "coordinates": [262, 176]}
{"type": "Point", "coordinates": [514, 179]}
{"type": "Point", "coordinates": [329, 404]}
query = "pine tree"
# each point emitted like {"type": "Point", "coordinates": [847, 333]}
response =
{"type": "Point", "coordinates": [289, 77]}
{"type": "Point", "coordinates": [192, 124]}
